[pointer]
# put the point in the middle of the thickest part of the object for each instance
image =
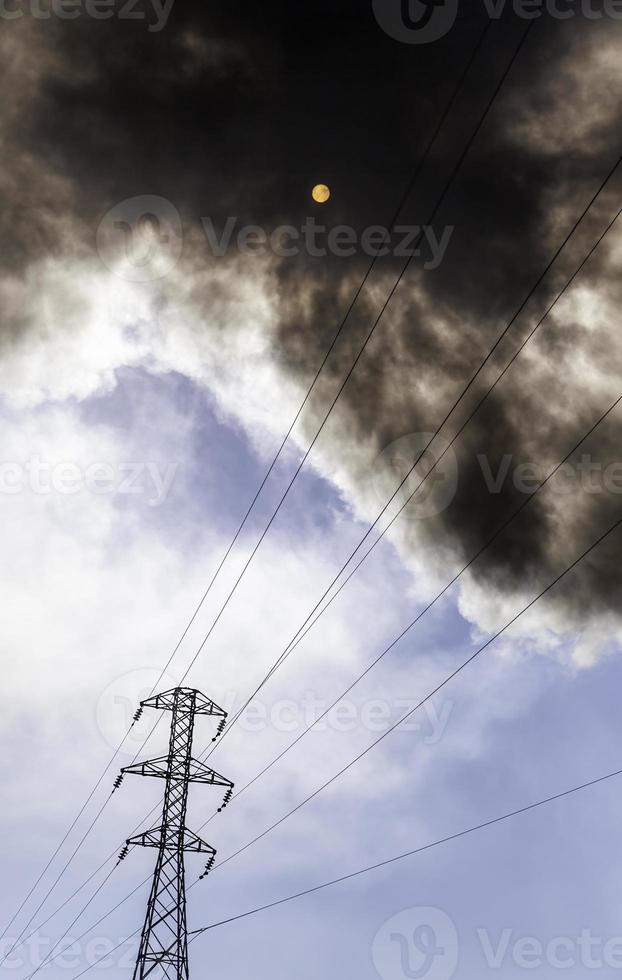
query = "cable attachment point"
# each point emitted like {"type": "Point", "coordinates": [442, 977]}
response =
{"type": "Point", "coordinates": [208, 866]}
{"type": "Point", "coordinates": [118, 781]}
{"type": "Point", "coordinates": [226, 798]}
{"type": "Point", "coordinates": [123, 853]}
{"type": "Point", "coordinates": [137, 715]}
{"type": "Point", "coordinates": [220, 729]}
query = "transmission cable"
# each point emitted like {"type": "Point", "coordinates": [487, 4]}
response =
{"type": "Point", "coordinates": [368, 337]}
{"type": "Point", "coordinates": [50, 956]}
{"type": "Point", "coordinates": [195, 933]}
{"type": "Point", "coordinates": [424, 700]}
{"type": "Point", "coordinates": [412, 494]}
{"type": "Point", "coordinates": [417, 172]}
{"type": "Point", "coordinates": [429, 605]}
{"type": "Point", "coordinates": [456, 169]}
{"type": "Point", "coordinates": [472, 560]}
{"type": "Point", "coordinates": [499, 530]}
{"type": "Point", "coordinates": [311, 619]}
{"type": "Point", "coordinates": [439, 203]}
{"type": "Point", "coordinates": [442, 684]}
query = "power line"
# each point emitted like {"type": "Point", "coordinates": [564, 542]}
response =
{"type": "Point", "coordinates": [499, 530]}
{"type": "Point", "coordinates": [406, 265]}
{"type": "Point", "coordinates": [424, 700]}
{"type": "Point", "coordinates": [432, 602]}
{"type": "Point", "coordinates": [163, 939]}
{"type": "Point", "coordinates": [58, 848]}
{"type": "Point", "coordinates": [454, 438]}
{"type": "Point", "coordinates": [22, 937]}
{"type": "Point", "coordinates": [407, 854]}
{"type": "Point", "coordinates": [94, 925]}
{"type": "Point", "coordinates": [431, 694]}
{"type": "Point", "coordinates": [415, 176]}
{"type": "Point", "coordinates": [368, 337]}
{"type": "Point", "coordinates": [56, 881]}
{"type": "Point", "coordinates": [372, 328]}
{"type": "Point", "coordinates": [446, 682]}
{"type": "Point", "coordinates": [439, 203]}
{"type": "Point", "coordinates": [50, 955]}
{"type": "Point", "coordinates": [488, 543]}
{"type": "Point", "coordinates": [486, 395]}
{"type": "Point", "coordinates": [525, 503]}
{"type": "Point", "coordinates": [372, 867]}
{"type": "Point", "coordinates": [309, 622]}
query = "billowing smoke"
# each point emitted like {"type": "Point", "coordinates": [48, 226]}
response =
{"type": "Point", "coordinates": [232, 122]}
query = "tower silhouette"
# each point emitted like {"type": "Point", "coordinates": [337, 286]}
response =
{"type": "Point", "coordinates": [163, 949]}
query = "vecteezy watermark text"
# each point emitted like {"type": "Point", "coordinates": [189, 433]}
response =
{"type": "Point", "coordinates": [424, 943]}
{"type": "Point", "coordinates": [371, 715]}
{"type": "Point", "coordinates": [426, 21]}
{"type": "Point", "coordinates": [154, 13]}
{"type": "Point", "coordinates": [141, 239]}
{"type": "Point", "coordinates": [97, 952]}
{"type": "Point", "coordinates": [42, 477]}
{"type": "Point", "coordinates": [317, 240]}
{"type": "Point", "coordinates": [422, 471]}
{"type": "Point", "coordinates": [587, 474]}
{"type": "Point", "coordinates": [118, 702]}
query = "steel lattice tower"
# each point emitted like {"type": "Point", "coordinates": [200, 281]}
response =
{"type": "Point", "coordinates": [163, 942]}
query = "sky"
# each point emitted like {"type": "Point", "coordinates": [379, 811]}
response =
{"type": "Point", "coordinates": [170, 289]}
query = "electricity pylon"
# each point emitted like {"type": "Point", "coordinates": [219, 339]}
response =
{"type": "Point", "coordinates": [164, 939]}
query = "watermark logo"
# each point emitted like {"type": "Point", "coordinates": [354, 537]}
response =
{"type": "Point", "coordinates": [416, 21]}
{"type": "Point", "coordinates": [118, 702]}
{"type": "Point", "coordinates": [416, 944]}
{"type": "Point", "coordinates": [141, 239]}
{"type": "Point", "coordinates": [425, 21]}
{"type": "Point", "coordinates": [422, 944]}
{"type": "Point", "coordinates": [394, 464]}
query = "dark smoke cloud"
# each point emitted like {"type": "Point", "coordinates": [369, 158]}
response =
{"type": "Point", "coordinates": [237, 109]}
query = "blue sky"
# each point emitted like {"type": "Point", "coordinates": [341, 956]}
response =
{"type": "Point", "coordinates": [518, 727]}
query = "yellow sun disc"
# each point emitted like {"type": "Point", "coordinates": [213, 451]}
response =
{"type": "Point", "coordinates": [320, 193]}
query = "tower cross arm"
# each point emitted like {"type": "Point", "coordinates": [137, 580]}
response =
{"type": "Point", "coordinates": [154, 838]}
{"type": "Point", "coordinates": [200, 773]}
{"type": "Point", "coordinates": [193, 772]}
{"type": "Point", "coordinates": [202, 705]}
